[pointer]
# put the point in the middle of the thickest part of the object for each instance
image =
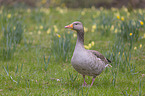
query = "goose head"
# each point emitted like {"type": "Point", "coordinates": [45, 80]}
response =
{"type": "Point", "coordinates": [78, 26]}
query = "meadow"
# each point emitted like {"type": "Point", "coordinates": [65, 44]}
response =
{"type": "Point", "coordinates": [36, 50]}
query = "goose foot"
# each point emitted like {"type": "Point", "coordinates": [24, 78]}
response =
{"type": "Point", "coordinates": [92, 81]}
{"type": "Point", "coordinates": [85, 84]}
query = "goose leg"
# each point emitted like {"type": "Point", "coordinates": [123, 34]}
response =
{"type": "Point", "coordinates": [85, 84]}
{"type": "Point", "coordinates": [93, 79]}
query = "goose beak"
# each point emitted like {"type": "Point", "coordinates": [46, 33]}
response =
{"type": "Point", "coordinates": [69, 26]}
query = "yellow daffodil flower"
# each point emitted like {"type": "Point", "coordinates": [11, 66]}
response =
{"type": "Point", "coordinates": [143, 35]}
{"type": "Point", "coordinates": [112, 28]}
{"type": "Point", "coordinates": [135, 48]}
{"type": "Point", "coordinates": [41, 27]}
{"type": "Point", "coordinates": [28, 10]}
{"type": "Point", "coordinates": [130, 34]}
{"type": "Point", "coordinates": [43, 1]}
{"type": "Point", "coordinates": [58, 35]}
{"type": "Point", "coordinates": [87, 47]}
{"type": "Point", "coordinates": [9, 16]}
{"type": "Point", "coordinates": [14, 28]}
{"type": "Point", "coordinates": [141, 23]}
{"type": "Point", "coordinates": [122, 18]}
{"type": "Point", "coordinates": [74, 35]}
{"type": "Point", "coordinates": [85, 29]}
{"type": "Point", "coordinates": [68, 32]}
{"type": "Point", "coordinates": [39, 32]}
{"type": "Point", "coordinates": [55, 28]}
{"type": "Point", "coordinates": [116, 30]}
{"type": "Point", "coordinates": [118, 17]}
{"type": "Point", "coordinates": [140, 45]}
{"type": "Point", "coordinates": [48, 31]}
{"type": "Point", "coordinates": [92, 43]}
{"type": "Point", "coordinates": [94, 26]}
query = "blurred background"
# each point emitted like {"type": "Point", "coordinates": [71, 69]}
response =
{"type": "Point", "coordinates": [75, 3]}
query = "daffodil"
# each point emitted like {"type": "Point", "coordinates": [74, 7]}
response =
{"type": "Point", "coordinates": [55, 28]}
{"type": "Point", "coordinates": [39, 32]}
{"type": "Point", "coordinates": [92, 43]}
{"type": "Point", "coordinates": [130, 34]}
{"type": "Point", "coordinates": [41, 27]}
{"type": "Point", "coordinates": [43, 1]}
{"type": "Point", "coordinates": [101, 8]}
{"type": "Point", "coordinates": [119, 53]}
{"type": "Point", "coordinates": [143, 35]}
{"type": "Point", "coordinates": [140, 45]}
{"type": "Point", "coordinates": [30, 33]}
{"type": "Point", "coordinates": [118, 17]}
{"type": "Point", "coordinates": [14, 27]}
{"type": "Point", "coordinates": [113, 9]}
{"type": "Point", "coordinates": [116, 30]}
{"type": "Point", "coordinates": [140, 11]}
{"type": "Point", "coordinates": [61, 11]}
{"type": "Point", "coordinates": [48, 31]}
{"type": "Point", "coordinates": [58, 35]}
{"type": "Point", "coordinates": [9, 16]}
{"type": "Point", "coordinates": [83, 13]}
{"type": "Point", "coordinates": [74, 35]}
{"type": "Point", "coordinates": [122, 18]}
{"type": "Point", "coordinates": [125, 9]}
{"type": "Point", "coordinates": [87, 47]}
{"type": "Point", "coordinates": [68, 32]}
{"type": "Point", "coordinates": [94, 26]}
{"type": "Point", "coordinates": [28, 10]}
{"type": "Point", "coordinates": [141, 23]}
{"type": "Point", "coordinates": [135, 48]}
{"type": "Point", "coordinates": [85, 29]}
{"type": "Point", "coordinates": [112, 28]}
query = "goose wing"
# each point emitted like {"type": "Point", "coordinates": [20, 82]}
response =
{"type": "Point", "coordinates": [99, 55]}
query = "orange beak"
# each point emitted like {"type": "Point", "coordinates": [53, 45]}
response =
{"type": "Point", "coordinates": [69, 26]}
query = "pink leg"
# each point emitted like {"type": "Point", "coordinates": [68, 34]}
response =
{"type": "Point", "coordinates": [85, 84]}
{"type": "Point", "coordinates": [92, 81]}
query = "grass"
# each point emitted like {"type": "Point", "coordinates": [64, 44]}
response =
{"type": "Point", "coordinates": [38, 68]}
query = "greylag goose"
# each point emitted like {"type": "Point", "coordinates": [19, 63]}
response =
{"type": "Point", "coordinates": [86, 62]}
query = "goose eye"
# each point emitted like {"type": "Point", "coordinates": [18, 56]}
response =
{"type": "Point", "coordinates": [76, 24]}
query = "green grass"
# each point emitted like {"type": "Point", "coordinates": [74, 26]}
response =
{"type": "Point", "coordinates": [38, 68]}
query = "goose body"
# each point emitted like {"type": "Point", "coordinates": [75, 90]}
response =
{"type": "Point", "coordinates": [86, 62]}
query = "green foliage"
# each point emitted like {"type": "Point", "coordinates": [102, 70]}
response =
{"type": "Point", "coordinates": [105, 21]}
{"type": "Point", "coordinates": [63, 46]}
{"type": "Point", "coordinates": [128, 28]}
{"type": "Point", "coordinates": [46, 63]}
{"type": "Point", "coordinates": [72, 78]}
{"type": "Point", "coordinates": [12, 34]}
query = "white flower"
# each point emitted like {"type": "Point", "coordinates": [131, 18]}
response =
{"type": "Point", "coordinates": [57, 79]}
